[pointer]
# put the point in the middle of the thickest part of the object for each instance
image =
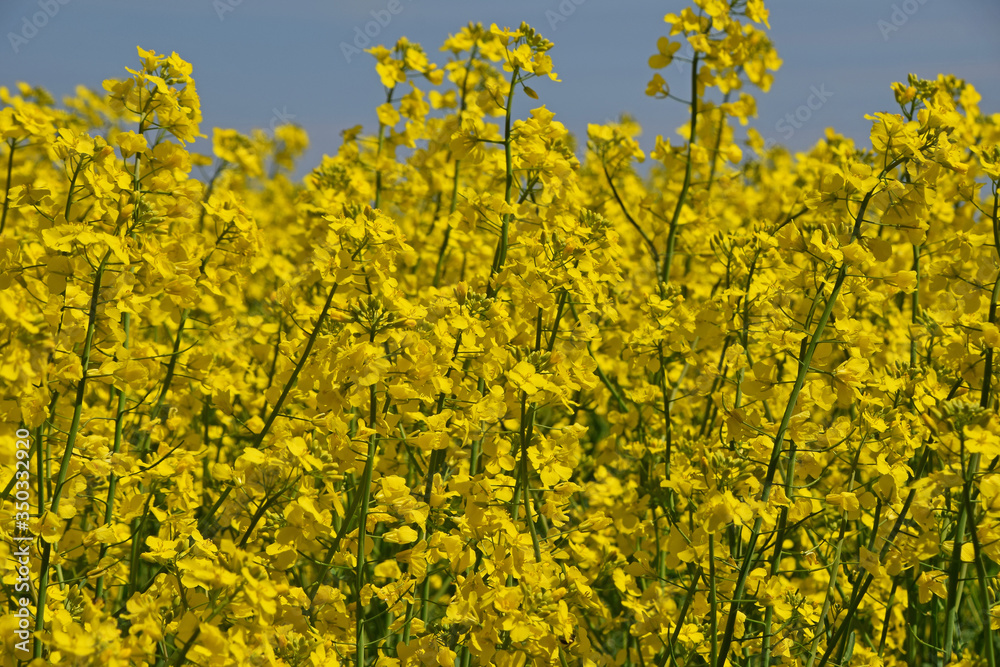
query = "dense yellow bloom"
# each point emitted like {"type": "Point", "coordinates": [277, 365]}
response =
{"type": "Point", "coordinates": [502, 401]}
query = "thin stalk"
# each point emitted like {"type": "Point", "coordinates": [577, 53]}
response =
{"type": "Point", "coordinates": [436, 461]}
{"type": "Point", "coordinates": [40, 467]}
{"type": "Point", "coordinates": [718, 141]}
{"type": "Point", "coordinates": [81, 386]}
{"type": "Point", "coordinates": [712, 600]}
{"type": "Point", "coordinates": [973, 468]}
{"type": "Point", "coordinates": [667, 425]}
{"type": "Point", "coordinates": [915, 305]}
{"type": "Point", "coordinates": [606, 381]}
{"type": "Point", "coordinates": [887, 619]}
{"type": "Point", "coordinates": [6, 192]}
{"type": "Point", "coordinates": [525, 482]}
{"type": "Point", "coordinates": [668, 654]}
{"type": "Point", "coordinates": [345, 528]}
{"type": "Point", "coordinates": [984, 394]}
{"type": "Point", "coordinates": [830, 589]}
{"type": "Point", "coordinates": [378, 154]}
{"type": "Point", "coordinates": [109, 504]}
{"type": "Point", "coordinates": [559, 313]}
{"type": "Point", "coordinates": [682, 197]}
{"type": "Point", "coordinates": [168, 379]}
{"type": "Point", "coordinates": [72, 186]}
{"type": "Point", "coordinates": [365, 491]}
{"type": "Point", "coordinates": [181, 654]}
{"type": "Point", "coordinates": [628, 216]}
{"type": "Point", "coordinates": [500, 255]}
{"type": "Point", "coordinates": [266, 504]}
{"type": "Point", "coordinates": [852, 608]}
{"type": "Point", "coordinates": [454, 183]}
{"type": "Point", "coordinates": [447, 232]}
{"type": "Point", "coordinates": [956, 576]}
{"type": "Point", "coordinates": [745, 331]}
{"type": "Point", "coordinates": [779, 540]}
{"type": "Point", "coordinates": [786, 419]}
{"type": "Point", "coordinates": [281, 400]}
{"type": "Point", "coordinates": [74, 430]}
{"type": "Point", "coordinates": [981, 580]}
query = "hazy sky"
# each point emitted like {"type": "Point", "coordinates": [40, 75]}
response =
{"type": "Point", "coordinates": [259, 61]}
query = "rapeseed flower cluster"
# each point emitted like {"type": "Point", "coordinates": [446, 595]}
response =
{"type": "Point", "coordinates": [472, 394]}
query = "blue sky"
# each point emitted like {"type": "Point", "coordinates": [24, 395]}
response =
{"type": "Point", "coordinates": [258, 61]}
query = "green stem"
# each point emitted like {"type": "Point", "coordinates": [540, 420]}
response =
{"type": "Point", "coordinates": [72, 186]}
{"type": "Point", "coordinates": [915, 305]}
{"type": "Point", "coordinates": [682, 197]}
{"type": "Point", "coordinates": [181, 654]}
{"type": "Point", "coordinates": [776, 560]}
{"type": "Point", "coordinates": [712, 600]}
{"type": "Point", "coordinates": [259, 438]}
{"type": "Point", "coordinates": [168, 378]}
{"type": "Point", "coordinates": [500, 255]}
{"type": "Point", "coordinates": [563, 297]}
{"type": "Point", "coordinates": [109, 504]}
{"type": "Point", "coordinates": [844, 630]}
{"type": "Point", "coordinates": [984, 394]}
{"type": "Point", "coordinates": [525, 485]}
{"type": "Point", "coordinates": [668, 654]}
{"type": "Point", "coordinates": [74, 430]}
{"type": "Point", "coordinates": [6, 193]}
{"type": "Point", "coordinates": [718, 141]}
{"type": "Point", "coordinates": [956, 577]}
{"type": "Point", "coordinates": [81, 386]}
{"type": "Point", "coordinates": [981, 579]}
{"type": "Point", "coordinates": [828, 598]}
{"type": "Point", "coordinates": [628, 216]}
{"type": "Point", "coordinates": [786, 419]}
{"type": "Point", "coordinates": [973, 468]}
{"type": "Point", "coordinates": [378, 154]}
{"type": "Point", "coordinates": [40, 467]}
{"type": "Point", "coordinates": [454, 182]}
{"type": "Point", "coordinates": [365, 491]}
{"type": "Point", "coordinates": [667, 430]}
